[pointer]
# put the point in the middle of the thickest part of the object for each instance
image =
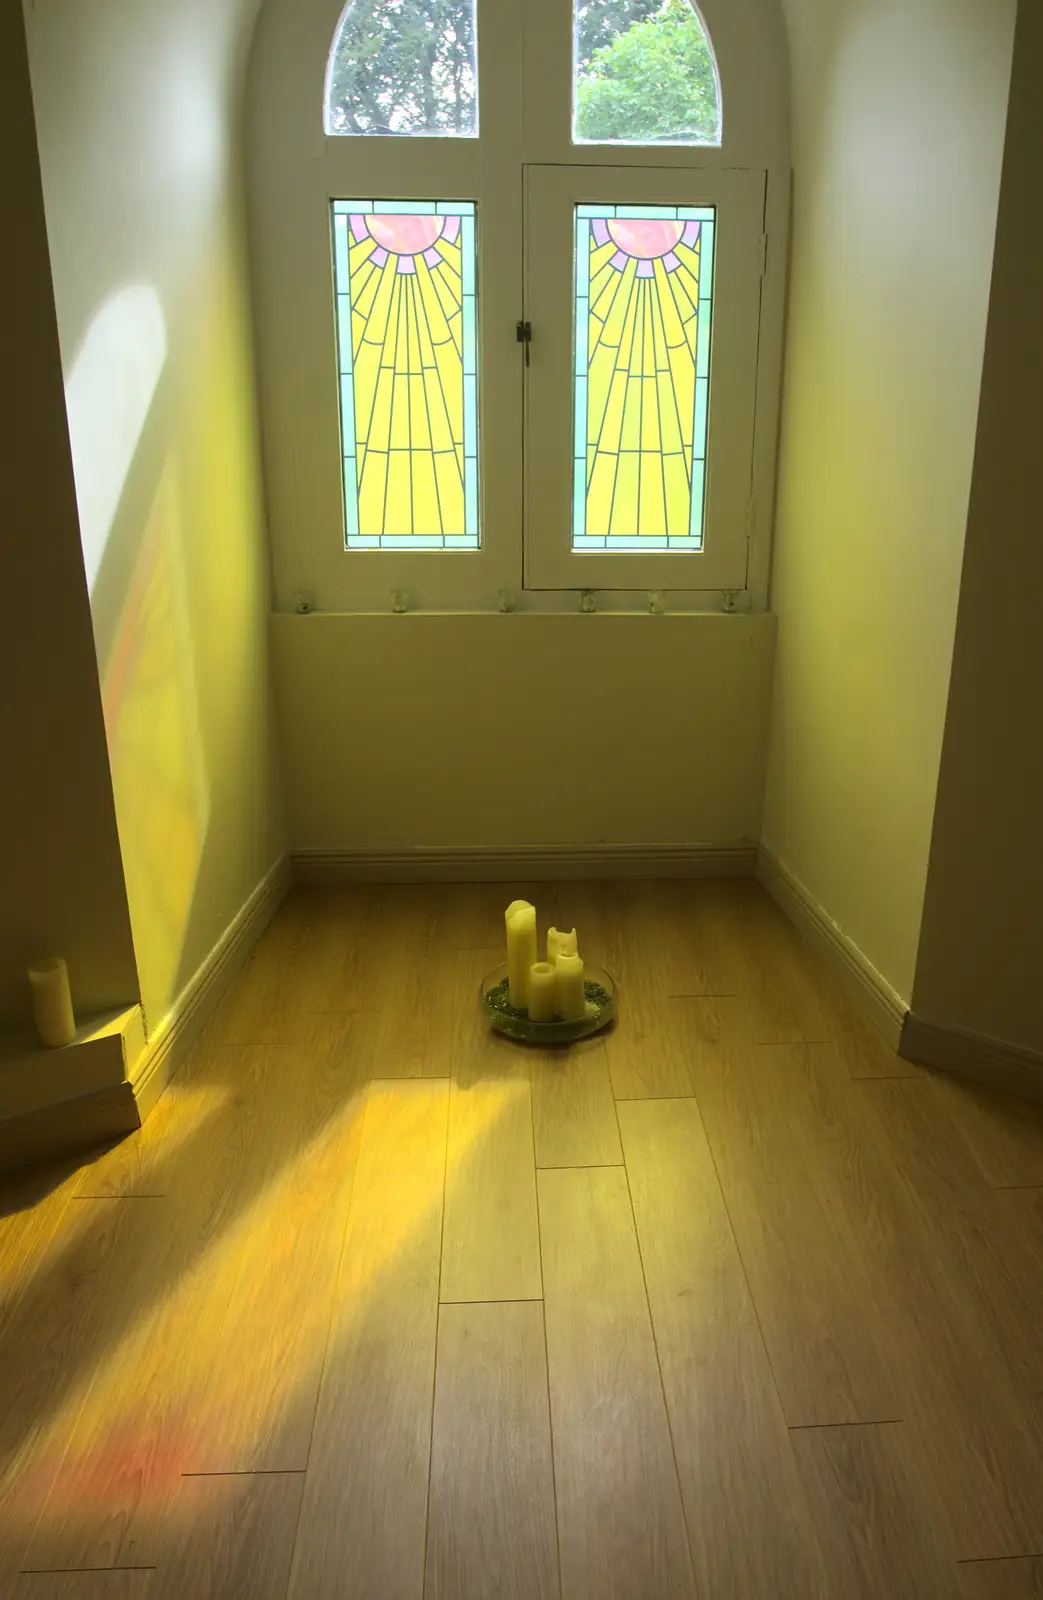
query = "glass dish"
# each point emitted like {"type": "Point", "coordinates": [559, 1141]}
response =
{"type": "Point", "coordinates": [498, 1012]}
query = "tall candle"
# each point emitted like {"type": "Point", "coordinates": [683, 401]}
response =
{"type": "Point", "coordinates": [52, 1002]}
{"type": "Point", "coordinates": [521, 951]}
{"type": "Point", "coordinates": [561, 944]}
{"type": "Point", "coordinates": [570, 1000]}
{"type": "Point", "coordinates": [542, 991]}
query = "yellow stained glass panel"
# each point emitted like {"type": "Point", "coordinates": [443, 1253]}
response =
{"type": "Point", "coordinates": [404, 275]}
{"type": "Point", "coordinates": [643, 312]}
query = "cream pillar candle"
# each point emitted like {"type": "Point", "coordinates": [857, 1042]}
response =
{"type": "Point", "coordinates": [561, 944]}
{"type": "Point", "coordinates": [543, 989]}
{"type": "Point", "coordinates": [570, 1000]}
{"type": "Point", "coordinates": [521, 951]}
{"type": "Point", "coordinates": [52, 1002]}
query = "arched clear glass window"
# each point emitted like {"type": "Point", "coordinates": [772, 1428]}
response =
{"type": "Point", "coordinates": [405, 67]}
{"type": "Point", "coordinates": [643, 73]}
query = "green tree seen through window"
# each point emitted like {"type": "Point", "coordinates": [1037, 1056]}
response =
{"type": "Point", "coordinates": [404, 66]}
{"type": "Point", "coordinates": [653, 81]}
{"type": "Point", "coordinates": [599, 21]}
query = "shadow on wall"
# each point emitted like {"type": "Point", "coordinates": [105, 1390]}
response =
{"type": "Point", "coordinates": [127, 485]}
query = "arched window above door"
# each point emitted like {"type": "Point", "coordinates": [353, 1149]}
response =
{"type": "Point", "coordinates": [644, 72]}
{"type": "Point", "coordinates": [400, 67]}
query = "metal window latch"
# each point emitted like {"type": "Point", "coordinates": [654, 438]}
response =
{"type": "Point", "coordinates": [523, 334]}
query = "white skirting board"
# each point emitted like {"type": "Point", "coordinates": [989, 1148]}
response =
{"type": "Point", "coordinates": [542, 862]}
{"type": "Point", "coordinates": [1010, 1067]}
{"type": "Point", "coordinates": [969, 1055]}
{"type": "Point", "coordinates": [54, 1101]}
{"type": "Point", "coordinates": [106, 1082]}
{"type": "Point", "coordinates": [884, 1007]}
{"type": "Point", "coordinates": [82, 1122]}
{"type": "Point", "coordinates": [168, 1042]}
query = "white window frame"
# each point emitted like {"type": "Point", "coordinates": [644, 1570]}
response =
{"type": "Point", "coordinates": [296, 170]}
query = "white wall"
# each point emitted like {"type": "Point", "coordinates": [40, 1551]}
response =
{"type": "Point", "coordinates": [981, 946]}
{"type": "Point", "coordinates": [61, 878]}
{"type": "Point", "coordinates": [899, 113]}
{"type": "Point", "coordinates": [512, 730]}
{"type": "Point", "coordinates": [135, 105]}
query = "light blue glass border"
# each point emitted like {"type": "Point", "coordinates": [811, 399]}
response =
{"type": "Point", "coordinates": [467, 211]}
{"type": "Point", "coordinates": [703, 344]}
{"type": "Point", "coordinates": [581, 334]}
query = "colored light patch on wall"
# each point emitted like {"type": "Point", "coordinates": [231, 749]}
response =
{"type": "Point", "coordinates": [405, 282]}
{"type": "Point", "coordinates": [641, 337]}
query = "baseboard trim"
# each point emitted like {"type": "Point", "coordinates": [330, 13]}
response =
{"type": "Point", "coordinates": [55, 1101]}
{"type": "Point", "coordinates": [547, 862]}
{"type": "Point", "coordinates": [170, 1041]}
{"type": "Point", "coordinates": [884, 1007]}
{"type": "Point", "coordinates": [66, 1126]}
{"type": "Point", "coordinates": [1011, 1067]}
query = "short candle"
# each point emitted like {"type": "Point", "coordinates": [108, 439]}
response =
{"type": "Point", "coordinates": [542, 992]}
{"type": "Point", "coordinates": [570, 995]}
{"type": "Point", "coordinates": [561, 944]}
{"type": "Point", "coordinates": [52, 1002]}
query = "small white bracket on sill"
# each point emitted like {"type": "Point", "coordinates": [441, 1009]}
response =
{"type": "Point", "coordinates": [506, 600]}
{"type": "Point", "coordinates": [588, 600]}
{"type": "Point", "coordinates": [399, 602]}
{"type": "Point", "coordinates": [303, 601]}
{"type": "Point", "coordinates": [730, 600]}
{"type": "Point", "coordinates": [656, 603]}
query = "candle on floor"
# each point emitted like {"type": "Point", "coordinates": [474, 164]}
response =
{"type": "Point", "coordinates": [570, 999]}
{"type": "Point", "coordinates": [52, 1002]}
{"type": "Point", "coordinates": [521, 950]}
{"type": "Point", "coordinates": [561, 944]}
{"type": "Point", "coordinates": [543, 989]}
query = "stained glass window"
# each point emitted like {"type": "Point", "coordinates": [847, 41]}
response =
{"type": "Point", "coordinates": [643, 300]}
{"type": "Point", "coordinates": [643, 73]}
{"type": "Point", "coordinates": [404, 273]}
{"type": "Point", "coordinates": [404, 66]}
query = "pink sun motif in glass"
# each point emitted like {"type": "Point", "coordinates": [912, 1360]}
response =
{"type": "Point", "coordinates": [645, 240]}
{"type": "Point", "coordinates": [405, 237]}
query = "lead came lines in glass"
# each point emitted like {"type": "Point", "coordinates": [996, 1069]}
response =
{"type": "Point", "coordinates": [642, 328]}
{"type": "Point", "coordinates": [406, 308]}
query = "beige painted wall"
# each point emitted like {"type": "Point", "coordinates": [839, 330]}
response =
{"type": "Point", "coordinates": [981, 946]}
{"type": "Point", "coordinates": [61, 879]}
{"type": "Point", "coordinates": [899, 114]}
{"type": "Point", "coordinates": [490, 730]}
{"type": "Point", "coordinates": [135, 106]}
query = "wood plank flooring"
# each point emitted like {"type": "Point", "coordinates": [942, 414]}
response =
{"type": "Point", "coordinates": [730, 1303]}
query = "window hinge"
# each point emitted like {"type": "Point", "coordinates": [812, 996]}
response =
{"type": "Point", "coordinates": [764, 253]}
{"type": "Point", "coordinates": [523, 334]}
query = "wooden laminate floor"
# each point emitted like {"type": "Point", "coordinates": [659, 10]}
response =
{"type": "Point", "coordinates": [732, 1302]}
